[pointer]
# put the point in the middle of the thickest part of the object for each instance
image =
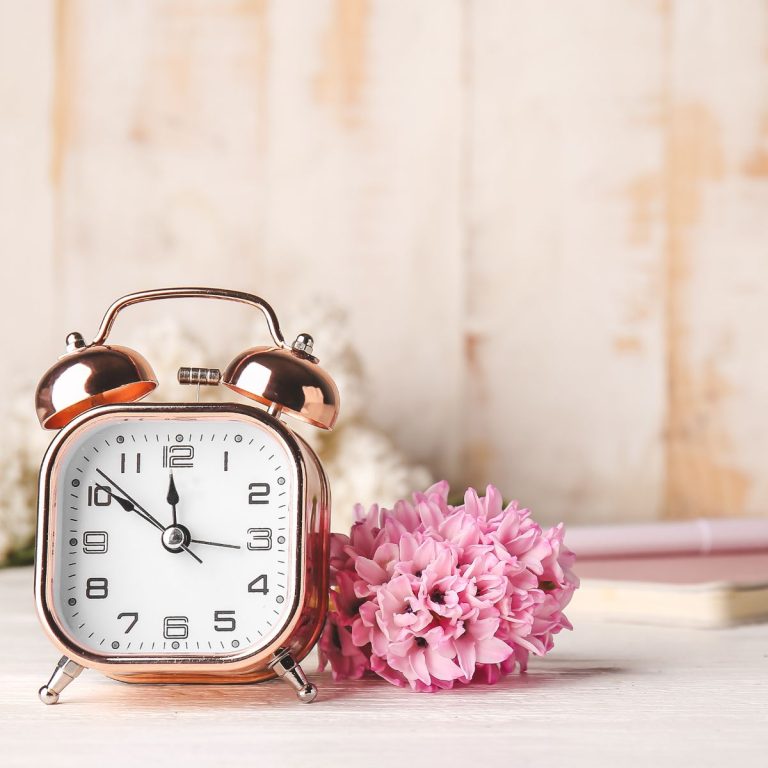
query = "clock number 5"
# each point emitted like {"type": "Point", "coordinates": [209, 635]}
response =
{"type": "Point", "coordinates": [96, 589]}
{"type": "Point", "coordinates": [224, 621]}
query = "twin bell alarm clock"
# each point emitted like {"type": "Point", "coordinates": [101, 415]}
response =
{"type": "Point", "coordinates": [183, 542]}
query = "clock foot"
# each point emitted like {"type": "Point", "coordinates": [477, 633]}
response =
{"type": "Point", "coordinates": [66, 671]}
{"type": "Point", "coordinates": [288, 669]}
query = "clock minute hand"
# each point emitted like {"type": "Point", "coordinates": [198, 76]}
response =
{"type": "Point", "coordinates": [128, 504]}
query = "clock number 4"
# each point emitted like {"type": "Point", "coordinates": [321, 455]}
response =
{"type": "Point", "coordinates": [259, 584]}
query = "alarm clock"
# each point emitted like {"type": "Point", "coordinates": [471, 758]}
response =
{"type": "Point", "coordinates": [183, 542]}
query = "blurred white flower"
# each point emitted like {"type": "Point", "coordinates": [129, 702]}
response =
{"type": "Point", "coordinates": [21, 451]}
{"type": "Point", "coordinates": [364, 467]}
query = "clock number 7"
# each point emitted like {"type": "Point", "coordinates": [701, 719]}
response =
{"type": "Point", "coordinates": [134, 618]}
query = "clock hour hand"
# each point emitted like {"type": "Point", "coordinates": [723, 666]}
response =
{"type": "Point", "coordinates": [173, 497]}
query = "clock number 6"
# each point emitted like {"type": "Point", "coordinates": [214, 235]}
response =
{"type": "Point", "coordinates": [176, 628]}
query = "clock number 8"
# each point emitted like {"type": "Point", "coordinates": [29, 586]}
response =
{"type": "Point", "coordinates": [96, 589]}
{"type": "Point", "coordinates": [176, 628]}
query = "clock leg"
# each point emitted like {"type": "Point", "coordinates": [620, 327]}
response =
{"type": "Point", "coordinates": [288, 669]}
{"type": "Point", "coordinates": [66, 671]}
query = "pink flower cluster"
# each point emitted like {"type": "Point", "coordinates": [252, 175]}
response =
{"type": "Point", "coordinates": [427, 594]}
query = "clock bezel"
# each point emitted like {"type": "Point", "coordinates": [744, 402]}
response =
{"type": "Point", "coordinates": [114, 663]}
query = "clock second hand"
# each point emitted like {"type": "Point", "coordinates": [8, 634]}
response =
{"type": "Point", "coordinates": [214, 544]}
{"type": "Point", "coordinates": [133, 506]}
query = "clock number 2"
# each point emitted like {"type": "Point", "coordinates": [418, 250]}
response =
{"type": "Point", "coordinates": [258, 493]}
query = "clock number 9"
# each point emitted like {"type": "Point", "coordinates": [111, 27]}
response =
{"type": "Point", "coordinates": [258, 493]}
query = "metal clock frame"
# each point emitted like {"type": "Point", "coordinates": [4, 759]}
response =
{"type": "Point", "coordinates": [303, 623]}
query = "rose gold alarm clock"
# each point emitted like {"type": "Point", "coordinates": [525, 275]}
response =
{"type": "Point", "coordinates": [183, 542]}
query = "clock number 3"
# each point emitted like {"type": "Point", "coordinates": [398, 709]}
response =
{"type": "Point", "coordinates": [259, 539]}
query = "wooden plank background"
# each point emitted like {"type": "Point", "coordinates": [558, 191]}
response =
{"type": "Point", "coordinates": [546, 221]}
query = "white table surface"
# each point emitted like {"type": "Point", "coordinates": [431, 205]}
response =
{"type": "Point", "coordinates": [613, 695]}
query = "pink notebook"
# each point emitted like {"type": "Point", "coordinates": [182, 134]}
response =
{"type": "Point", "coordinates": [713, 590]}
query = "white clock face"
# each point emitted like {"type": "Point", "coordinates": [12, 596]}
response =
{"type": "Point", "coordinates": [174, 536]}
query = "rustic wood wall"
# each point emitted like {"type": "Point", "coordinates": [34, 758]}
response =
{"type": "Point", "coordinates": [547, 221]}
